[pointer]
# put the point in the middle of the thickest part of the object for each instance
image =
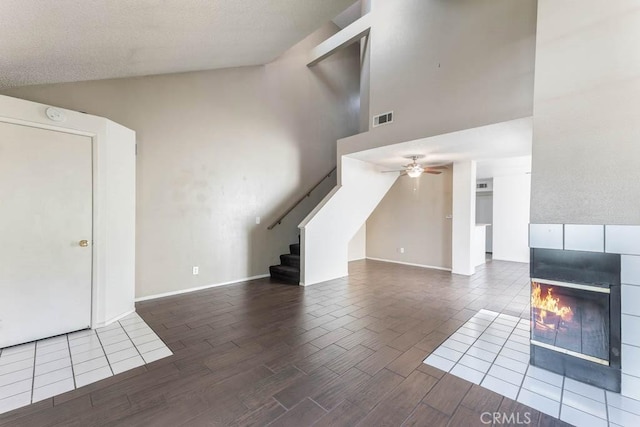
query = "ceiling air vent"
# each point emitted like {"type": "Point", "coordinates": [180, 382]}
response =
{"type": "Point", "coordinates": [383, 119]}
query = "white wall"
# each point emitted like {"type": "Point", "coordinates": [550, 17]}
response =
{"type": "Point", "coordinates": [119, 200]}
{"type": "Point", "coordinates": [113, 279]}
{"type": "Point", "coordinates": [327, 230]}
{"type": "Point", "coordinates": [464, 218]}
{"type": "Point", "coordinates": [587, 104]}
{"type": "Point", "coordinates": [484, 215]}
{"type": "Point", "coordinates": [413, 216]}
{"type": "Point", "coordinates": [358, 244]}
{"type": "Point", "coordinates": [216, 149]}
{"type": "Point", "coordinates": [479, 245]}
{"type": "Point", "coordinates": [443, 66]}
{"type": "Point", "coordinates": [422, 49]}
{"type": "Point", "coordinates": [365, 68]}
{"type": "Point", "coordinates": [511, 204]}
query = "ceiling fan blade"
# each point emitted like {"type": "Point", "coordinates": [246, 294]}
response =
{"type": "Point", "coordinates": [432, 172]}
{"type": "Point", "coordinates": [399, 170]}
{"type": "Point", "coordinates": [437, 167]}
{"type": "Point", "coordinates": [403, 173]}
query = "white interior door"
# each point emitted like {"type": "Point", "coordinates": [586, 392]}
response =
{"type": "Point", "coordinates": [45, 215]}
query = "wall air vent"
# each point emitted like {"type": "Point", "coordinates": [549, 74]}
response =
{"type": "Point", "coordinates": [484, 185]}
{"type": "Point", "coordinates": [383, 119]}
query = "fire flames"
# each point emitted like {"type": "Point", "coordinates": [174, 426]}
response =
{"type": "Point", "coordinates": [548, 304]}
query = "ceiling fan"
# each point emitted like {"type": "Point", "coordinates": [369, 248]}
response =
{"type": "Point", "coordinates": [414, 170]}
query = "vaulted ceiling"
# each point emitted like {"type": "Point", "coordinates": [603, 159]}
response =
{"type": "Point", "coordinates": [47, 41]}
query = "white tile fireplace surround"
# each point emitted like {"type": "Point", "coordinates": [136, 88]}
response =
{"type": "Point", "coordinates": [492, 350]}
{"type": "Point", "coordinates": [38, 370]}
{"type": "Point", "coordinates": [615, 239]}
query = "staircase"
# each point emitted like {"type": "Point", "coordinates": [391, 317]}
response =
{"type": "Point", "coordinates": [289, 269]}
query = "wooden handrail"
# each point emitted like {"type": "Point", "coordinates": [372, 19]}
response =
{"type": "Point", "coordinates": [307, 194]}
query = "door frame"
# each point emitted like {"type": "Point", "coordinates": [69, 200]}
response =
{"type": "Point", "coordinates": [114, 200]}
{"type": "Point", "coordinates": [94, 191]}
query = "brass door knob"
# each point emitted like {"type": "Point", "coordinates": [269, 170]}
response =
{"type": "Point", "coordinates": [83, 243]}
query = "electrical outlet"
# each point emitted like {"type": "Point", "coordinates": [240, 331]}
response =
{"type": "Point", "coordinates": [257, 220]}
{"type": "Point", "coordinates": [401, 250]}
{"type": "Point", "coordinates": [196, 270]}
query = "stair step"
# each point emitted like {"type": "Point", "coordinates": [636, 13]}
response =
{"type": "Point", "coordinates": [294, 249]}
{"type": "Point", "coordinates": [285, 273]}
{"type": "Point", "coordinates": [285, 270]}
{"type": "Point", "coordinates": [290, 260]}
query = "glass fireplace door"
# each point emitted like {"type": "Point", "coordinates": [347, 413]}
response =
{"type": "Point", "coordinates": [571, 318]}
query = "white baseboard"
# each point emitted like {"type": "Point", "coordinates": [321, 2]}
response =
{"type": "Point", "coordinates": [320, 283]}
{"type": "Point", "coordinates": [521, 260]}
{"type": "Point", "coordinates": [199, 288]}
{"type": "Point", "coordinates": [115, 319]}
{"type": "Point", "coordinates": [433, 267]}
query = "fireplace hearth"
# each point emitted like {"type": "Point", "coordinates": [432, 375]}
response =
{"type": "Point", "coordinates": [575, 315]}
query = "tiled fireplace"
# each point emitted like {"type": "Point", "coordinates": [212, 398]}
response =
{"type": "Point", "coordinates": [585, 312]}
{"type": "Point", "coordinates": [575, 315]}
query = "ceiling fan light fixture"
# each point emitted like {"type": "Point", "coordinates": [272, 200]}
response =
{"type": "Point", "coordinates": [415, 171]}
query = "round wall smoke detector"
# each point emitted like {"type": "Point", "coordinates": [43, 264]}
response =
{"type": "Point", "coordinates": [55, 114]}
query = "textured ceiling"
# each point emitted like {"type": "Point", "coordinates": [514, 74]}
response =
{"type": "Point", "coordinates": [51, 41]}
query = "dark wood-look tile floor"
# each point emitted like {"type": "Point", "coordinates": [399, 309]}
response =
{"type": "Point", "coordinates": [343, 353]}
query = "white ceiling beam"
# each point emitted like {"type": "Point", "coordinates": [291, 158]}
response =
{"type": "Point", "coordinates": [340, 40]}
